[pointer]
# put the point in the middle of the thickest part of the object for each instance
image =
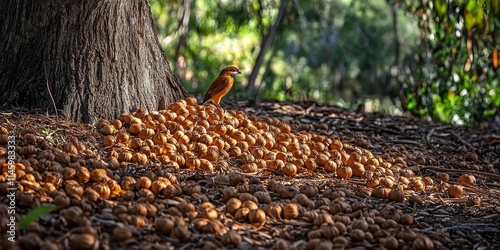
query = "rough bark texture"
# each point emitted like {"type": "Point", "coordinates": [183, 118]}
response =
{"type": "Point", "coordinates": [100, 58]}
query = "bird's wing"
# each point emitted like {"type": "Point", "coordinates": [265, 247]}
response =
{"type": "Point", "coordinates": [217, 86]}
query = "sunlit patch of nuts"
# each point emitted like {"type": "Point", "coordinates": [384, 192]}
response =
{"type": "Point", "coordinates": [74, 188]}
{"type": "Point", "coordinates": [291, 211]}
{"type": "Point", "coordinates": [331, 166]}
{"type": "Point", "coordinates": [139, 158]}
{"type": "Point", "coordinates": [358, 169]}
{"type": "Point", "coordinates": [418, 184]}
{"type": "Point", "coordinates": [274, 210]}
{"type": "Point", "coordinates": [428, 181]}
{"type": "Point", "coordinates": [344, 172]}
{"type": "Point", "coordinates": [102, 189]}
{"type": "Point", "coordinates": [108, 129]}
{"type": "Point", "coordinates": [98, 175]}
{"type": "Point", "coordinates": [467, 180]}
{"type": "Point", "coordinates": [241, 214]}
{"type": "Point", "coordinates": [125, 156]}
{"type": "Point", "coordinates": [232, 205]}
{"type": "Point", "coordinates": [455, 191]}
{"type": "Point", "coordinates": [143, 183]}
{"type": "Point", "coordinates": [249, 203]}
{"type": "Point", "coordinates": [387, 181]}
{"type": "Point", "coordinates": [289, 169]}
{"type": "Point", "coordinates": [250, 168]}
{"type": "Point", "coordinates": [257, 217]}
{"type": "Point", "coordinates": [372, 183]}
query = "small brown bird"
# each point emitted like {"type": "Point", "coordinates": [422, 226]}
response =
{"type": "Point", "coordinates": [221, 85]}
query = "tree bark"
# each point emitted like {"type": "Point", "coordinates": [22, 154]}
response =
{"type": "Point", "coordinates": [98, 58]}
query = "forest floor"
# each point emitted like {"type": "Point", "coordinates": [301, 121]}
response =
{"type": "Point", "coordinates": [157, 204]}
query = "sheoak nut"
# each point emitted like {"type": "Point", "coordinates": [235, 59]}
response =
{"type": "Point", "coordinates": [467, 180]}
{"type": "Point", "coordinates": [423, 243]}
{"type": "Point", "coordinates": [291, 211]}
{"type": "Point", "coordinates": [231, 238]}
{"type": "Point", "coordinates": [455, 191]}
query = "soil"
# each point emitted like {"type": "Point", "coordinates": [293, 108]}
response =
{"type": "Point", "coordinates": [196, 214]}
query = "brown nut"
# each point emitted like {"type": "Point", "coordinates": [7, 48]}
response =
{"type": "Point", "coordinates": [423, 243]}
{"type": "Point", "coordinates": [121, 234]}
{"type": "Point", "coordinates": [164, 225]}
{"type": "Point", "coordinates": [455, 191]}
{"type": "Point", "coordinates": [257, 217]}
{"type": "Point", "coordinates": [467, 180]}
{"type": "Point", "coordinates": [390, 242]}
{"type": "Point", "coordinates": [291, 211]}
{"type": "Point", "coordinates": [231, 238]}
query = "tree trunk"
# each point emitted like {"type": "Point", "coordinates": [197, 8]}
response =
{"type": "Point", "coordinates": [97, 58]}
{"type": "Point", "coordinates": [266, 44]}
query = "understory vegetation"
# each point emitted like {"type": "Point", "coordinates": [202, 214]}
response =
{"type": "Point", "coordinates": [436, 58]}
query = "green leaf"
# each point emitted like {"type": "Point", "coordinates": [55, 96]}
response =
{"type": "Point", "coordinates": [441, 7]}
{"type": "Point", "coordinates": [36, 213]}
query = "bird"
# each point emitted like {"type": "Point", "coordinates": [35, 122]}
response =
{"type": "Point", "coordinates": [221, 85]}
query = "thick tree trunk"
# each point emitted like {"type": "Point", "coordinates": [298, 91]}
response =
{"type": "Point", "coordinates": [97, 58]}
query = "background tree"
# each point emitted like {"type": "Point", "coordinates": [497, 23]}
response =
{"type": "Point", "coordinates": [456, 76]}
{"type": "Point", "coordinates": [329, 51]}
{"type": "Point", "coordinates": [394, 55]}
{"type": "Point", "coordinates": [96, 59]}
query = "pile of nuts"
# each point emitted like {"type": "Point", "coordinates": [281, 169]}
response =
{"type": "Point", "coordinates": [204, 138]}
{"type": "Point", "coordinates": [207, 138]}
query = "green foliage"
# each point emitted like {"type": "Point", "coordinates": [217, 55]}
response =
{"type": "Point", "coordinates": [455, 78]}
{"type": "Point", "coordinates": [217, 34]}
{"type": "Point", "coordinates": [36, 213]}
{"type": "Point", "coordinates": [337, 51]}
{"type": "Point", "coordinates": [331, 51]}
{"type": "Point", "coordinates": [343, 51]}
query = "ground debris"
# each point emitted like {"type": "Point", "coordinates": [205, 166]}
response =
{"type": "Point", "coordinates": [110, 201]}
